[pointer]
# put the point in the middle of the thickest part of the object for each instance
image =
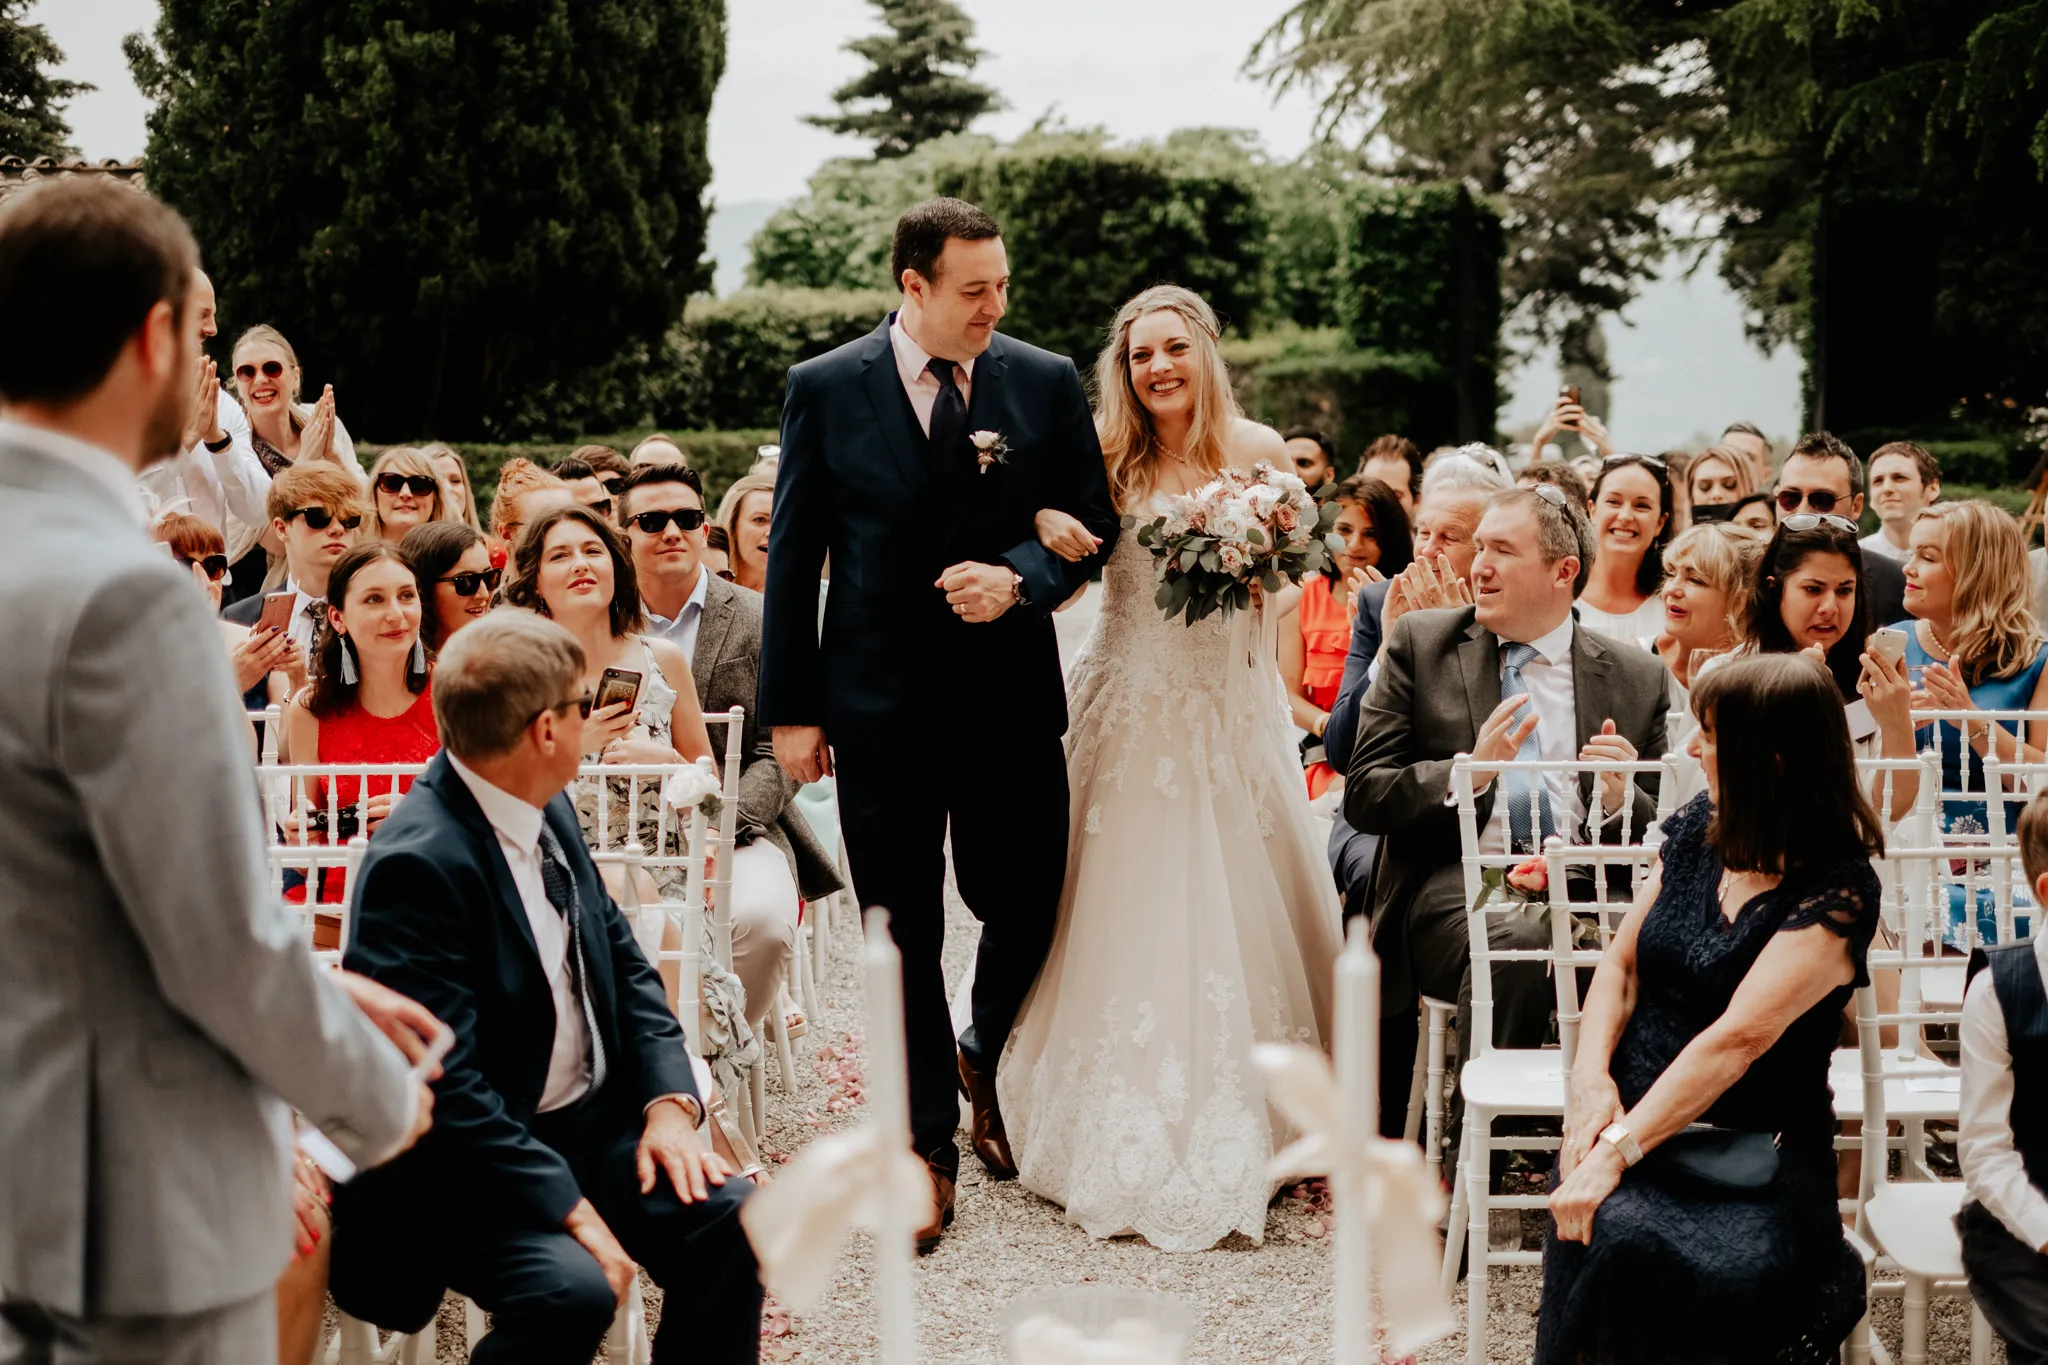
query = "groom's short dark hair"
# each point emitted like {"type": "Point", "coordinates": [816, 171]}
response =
{"type": "Point", "coordinates": [922, 233]}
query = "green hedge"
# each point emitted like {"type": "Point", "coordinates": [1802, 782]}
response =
{"type": "Point", "coordinates": [720, 456]}
{"type": "Point", "coordinates": [1316, 377]}
{"type": "Point", "coordinates": [2013, 500]}
{"type": "Point", "coordinates": [733, 355]}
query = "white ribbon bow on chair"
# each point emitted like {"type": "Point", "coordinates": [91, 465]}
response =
{"type": "Point", "coordinates": [1402, 1202]}
{"type": "Point", "coordinates": [839, 1182]}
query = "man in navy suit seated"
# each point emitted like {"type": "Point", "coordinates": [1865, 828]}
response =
{"type": "Point", "coordinates": [570, 1141]}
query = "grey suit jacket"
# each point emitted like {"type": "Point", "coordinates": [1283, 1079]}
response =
{"type": "Point", "coordinates": [158, 1007]}
{"type": "Point", "coordinates": [727, 668]}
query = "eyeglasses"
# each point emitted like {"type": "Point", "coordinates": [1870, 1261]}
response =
{"type": "Point", "coordinates": [603, 507]}
{"type": "Point", "coordinates": [272, 369]}
{"type": "Point", "coordinates": [653, 523]}
{"type": "Point", "coordinates": [1813, 521]}
{"type": "Point", "coordinates": [466, 584]}
{"type": "Point", "coordinates": [1549, 492]}
{"type": "Point", "coordinates": [216, 566]}
{"type": "Point", "coordinates": [1819, 499]}
{"type": "Point", "coordinates": [319, 518]}
{"type": "Point", "coordinates": [582, 705]}
{"type": "Point", "coordinates": [419, 485]}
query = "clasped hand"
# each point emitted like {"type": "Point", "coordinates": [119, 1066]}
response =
{"type": "Point", "coordinates": [1423, 586]}
{"type": "Point", "coordinates": [978, 593]}
{"type": "Point", "coordinates": [1589, 1169]}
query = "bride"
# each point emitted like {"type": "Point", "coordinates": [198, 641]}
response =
{"type": "Point", "coordinates": [1198, 916]}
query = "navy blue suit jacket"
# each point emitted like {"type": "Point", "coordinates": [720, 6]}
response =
{"type": "Point", "coordinates": [856, 482]}
{"type": "Point", "coordinates": [436, 916]}
{"type": "Point", "coordinates": [1351, 853]}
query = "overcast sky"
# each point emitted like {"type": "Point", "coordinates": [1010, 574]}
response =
{"type": "Point", "coordinates": [1684, 370]}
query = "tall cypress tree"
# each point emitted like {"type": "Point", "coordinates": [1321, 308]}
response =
{"type": "Point", "coordinates": [917, 86]}
{"type": "Point", "coordinates": [470, 218]}
{"type": "Point", "coordinates": [31, 100]}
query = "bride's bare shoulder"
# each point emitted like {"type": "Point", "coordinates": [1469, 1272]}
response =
{"type": "Point", "coordinates": [1250, 443]}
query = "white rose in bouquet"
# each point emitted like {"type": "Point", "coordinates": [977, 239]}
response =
{"type": "Point", "coordinates": [1286, 482]}
{"type": "Point", "coordinates": [1231, 519]}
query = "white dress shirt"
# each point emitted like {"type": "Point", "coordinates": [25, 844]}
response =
{"type": "Point", "coordinates": [217, 487]}
{"type": "Point", "coordinates": [682, 627]}
{"type": "Point", "coordinates": [518, 828]}
{"type": "Point", "coordinates": [103, 466]}
{"type": "Point", "coordinates": [1992, 1169]}
{"type": "Point", "coordinates": [1549, 680]}
{"type": "Point", "coordinates": [911, 362]}
{"type": "Point", "coordinates": [1878, 543]}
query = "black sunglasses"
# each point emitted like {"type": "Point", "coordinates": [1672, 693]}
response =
{"type": "Point", "coordinates": [582, 705]}
{"type": "Point", "coordinates": [216, 566]}
{"type": "Point", "coordinates": [1813, 521]}
{"type": "Point", "coordinates": [653, 523]}
{"type": "Point", "coordinates": [1818, 498]}
{"type": "Point", "coordinates": [272, 369]}
{"type": "Point", "coordinates": [319, 518]}
{"type": "Point", "coordinates": [603, 506]}
{"type": "Point", "coordinates": [466, 584]}
{"type": "Point", "coordinates": [419, 485]}
{"type": "Point", "coordinates": [613, 484]}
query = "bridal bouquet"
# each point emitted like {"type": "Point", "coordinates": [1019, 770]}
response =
{"type": "Point", "coordinates": [1212, 544]}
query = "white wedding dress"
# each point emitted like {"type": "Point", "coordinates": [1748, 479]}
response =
{"type": "Point", "coordinates": [1198, 918]}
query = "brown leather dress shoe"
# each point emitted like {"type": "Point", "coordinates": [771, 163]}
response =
{"type": "Point", "coordinates": [942, 1208]}
{"type": "Point", "coordinates": [990, 1141]}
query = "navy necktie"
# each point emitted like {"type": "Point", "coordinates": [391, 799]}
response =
{"type": "Point", "coordinates": [561, 889]}
{"type": "Point", "coordinates": [949, 417]}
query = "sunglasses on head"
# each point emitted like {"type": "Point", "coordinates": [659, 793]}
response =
{"type": "Point", "coordinates": [1549, 492]}
{"type": "Point", "coordinates": [466, 584]}
{"type": "Point", "coordinates": [1819, 499]}
{"type": "Point", "coordinates": [319, 518]}
{"type": "Point", "coordinates": [1813, 521]}
{"type": "Point", "coordinates": [1653, 461]}
{"type": "Point", "coordinates": [272, 369]}
{"type": "Point", "coordinates": [654, 523]}
{"type": "Point", "coordinates": [419, 485]}
{"type": "Point", "coordinates": [216, 566]}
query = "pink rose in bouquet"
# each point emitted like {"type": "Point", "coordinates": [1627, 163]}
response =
{"type": "Point", "coordinates": [1238, 529]}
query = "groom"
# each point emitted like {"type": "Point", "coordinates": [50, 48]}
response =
{"type": "Point", "coordinates": [917, 458]}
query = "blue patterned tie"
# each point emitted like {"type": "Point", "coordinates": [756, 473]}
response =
{"type": "Point", "coordinates": [561, 889]}
{"type": "Point", "coordinates": [1515, 787]}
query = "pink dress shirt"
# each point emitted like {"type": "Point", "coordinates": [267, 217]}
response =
{"type": "Point", "coordinates": [918, 382]}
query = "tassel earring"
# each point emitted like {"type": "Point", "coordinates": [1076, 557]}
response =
{"type": "Point", "coordinates": [348, 663]}
{"type": "Point", "coordinates": [419, 654]}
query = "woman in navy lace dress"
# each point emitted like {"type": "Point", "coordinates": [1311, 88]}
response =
{"type": "Point", "coordinates": [1719, 1003]}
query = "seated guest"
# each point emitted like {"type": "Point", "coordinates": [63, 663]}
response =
{"type": "Point", "coordinates": [718, 628]}
{"type": "Point", "coordinates": [452, 562]}
{"type": "Point", "coordinates": [1314, 455]}
{"type": "Point", "coordinates": [1719, 478]}
{"type": "Point", "coordinates": [610, 466]}
{"type": "Point", "coordinates": [1756, 514]}
{"type": "Point", "coordinates": [1511, 677]}
{"type": "Point", "coordinates": [405, 491]}
{"type": "Point", "coordinates": [525, 490]}
{"type": "Point", "coordinates": [258, 660]}
{"type": "Point", "coordinates": [1315, 619]}
{"type": "Point", "coordinates": [314, 513]}
{"type": "Point", "coordinates": [1719, 1002]}
{"type": "Point", "coordinates": [1559, 475]}
{"type": "Point", "coordinates": [285, 432]}
{"type": "Point", "coordinates": [1904, 479]}
{"type": "Point", "coordinates": [1747, 441]}
{"type": "Point", "coordinates": [1395, 462]}
{"type": "Point", "coordinates": [454, 484]}
{"type": "Point", "coordinates": [745, 512]}
{"type": "Point", "coordinates": [658, 448]}
{"type": "Point", "coordinates": [2004, 1221]}
{"type": "Point", "coordinates": [1632, 515]}
{"type": "Point", "coordinates": [585, 487]}
{"type": "Point", "coordinates": [569, 1141]}
{"type": "Point", "coordinates": [718, 552]}
{"type": "Point", "coordinates": [1709, 574]}
{"type": "Point", "coordinates": [368, 699]}
{"type": "Point", "coordinates": [1823, 475]}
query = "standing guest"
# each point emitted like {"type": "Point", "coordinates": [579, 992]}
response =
{"type": "Point", "coordinates": [718, 552]}
{"type": "Point", "coordinates": [1756, 514]}
{"type": "Point", "coordinates": [1678, 473]}
{"type": "Point", "coordinates": [452, 562]}
{"type": "Point", "coordinates": [1511, 677]}
{"type": "Point", "coordinates": [1904, 479]}
{"type": "Point", "coordinates": [1747, 440]}
{"type": "Point", "coordinates": [314, 513]}
{"type": "Point", "coordinates": [657, 448]}
{"type": "Point", "coordinates": [1395, 462]}
{"type": "Point", "coordinates": [572, 1142]}
{"type": "Point", "coordinates": [585, 487]}
{"type": "Point", "coordinates": [610, 467]}
{"type": "Point", "coordinates": [745, 512]}
{"type": "Point", "coordinates": [258, 659]}
{"type": "Point", "coordinates": [1720, 1002]}
{"type": "Point", "coordinates": [717, 626]}
{"type": "Point", "coordinates": [368, 699]}
{"type": "Point", "coordinates": [1823, 475]}
{"type": "Point", "coordinates": [1709, 573]}
{"type": "Point", "coordinates": [1719, 477]}
{"type": "Point", "coordinates": [1314, 456]}
{"type": "Point", "coordinates": [159, 1012]}
{"type": "Point", "coordinates": [454, 484]}
{"type": "Point", "coordinates": [2004, 1222]}
{"type": "Point", "coordinates": [216, 475]}
{"type": "Point", "coordinates": [1314, 620]}
{"type": "Point", "coordinates": [525, 490]}
{"type": "Point", "coordinates": [1559, 475]}
{"type": "Point", "coordinates": [283, 431]}
{"type": "Point", "coordinates": [1568, 414]}
{"type": "Point", "coordinates": [405, 491]}
{"type": "Point", "coordinates": [1631, 525]}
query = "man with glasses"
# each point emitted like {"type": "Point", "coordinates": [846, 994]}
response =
{"type": "Point", "coordinates": [1823, 475]}
{"type": "Point", "coordinates": [315, 510]}
{"type": "Point", "coordinates": [610, 467]}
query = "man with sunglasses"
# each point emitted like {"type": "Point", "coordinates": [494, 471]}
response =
{"type": "Point", "coordinates": [1822, 475]}
{"type": "Point", "coordinates": [315, 510]}
{"type": "Point", "coordinates": [586, 487]}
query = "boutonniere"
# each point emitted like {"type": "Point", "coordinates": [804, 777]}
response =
{"type": "Point", "coordinates": [990, 448]}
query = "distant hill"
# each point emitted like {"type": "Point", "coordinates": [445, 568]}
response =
{"type": "Point", "coordinates": [732, 227]}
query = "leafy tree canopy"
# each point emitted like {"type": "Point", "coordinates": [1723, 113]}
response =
{"type": "Point", "coordinates": [31, 100]}
{"type": "Point", "coordinates": [917, 86]}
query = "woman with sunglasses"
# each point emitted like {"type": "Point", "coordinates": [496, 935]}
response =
{"type": "Point", "coordinates": [745, 512]}
{"type": "Point", "coordinates": [1631, 525]}
{"type": "Point", "coordinates": [453, 564]}
{"type": "Point", "coordinates": [405, 491]}
{"type": "Point", "coordinates": [284, 431]}
{"type": "Point", "coordinates": [202, 550]}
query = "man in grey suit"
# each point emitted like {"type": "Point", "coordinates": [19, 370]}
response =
{"type": "Point", "coordinates": [718, 624]}
{"type": "Point", "coordinates": [1513, 676]}
{"type": "Point", "coordinates": [157, 1007]}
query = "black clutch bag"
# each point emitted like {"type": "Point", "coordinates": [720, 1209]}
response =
{"type": "Point", "coordinates": [1715, 1161]}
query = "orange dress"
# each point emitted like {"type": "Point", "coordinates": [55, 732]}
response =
{"type": "Point", "coordinates": [1325, 641]}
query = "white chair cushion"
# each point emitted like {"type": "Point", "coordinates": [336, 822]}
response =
{"type": "Point", "coordinates": [1515, 1081]}
{"type": "Point", "coordinates": [1914, 1224]}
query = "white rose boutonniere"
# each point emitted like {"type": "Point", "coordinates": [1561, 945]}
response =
{"type": "Point", "coordinates": [989, 448]}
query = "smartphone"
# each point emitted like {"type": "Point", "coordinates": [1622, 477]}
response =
{"type": "Point", "coordinates": [1888, 644]}
{"type": "Point", "coordinates": [1569, 392]}
{"type": "Point", "coordinates": [615, 685]}
{"type": "Point", "coordinates": [277, 611]}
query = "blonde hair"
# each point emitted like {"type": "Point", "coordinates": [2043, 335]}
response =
{"type": "Point", "coordinates": [729, 510]}
{"type": "Point", "coordinates": [264, 334]}
{"type": "Point", "coordinates": [405, 460]}
{"type": "Point", "coordinates": [1726, 556]}
{"type": "Point", "coordinates": [1992, 630]}
{"type": "Point", "coordinates": [434, 450]}
{"type": "Point", "coordinates": [1130, 444]}
{"type": "Point", "coordinates": [1739, 465]}
{"type": "Point", "coordinates": [519, 477]}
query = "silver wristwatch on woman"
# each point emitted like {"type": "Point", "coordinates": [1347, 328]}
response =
{"type": "Point", "coordinates": [1619, 1138]}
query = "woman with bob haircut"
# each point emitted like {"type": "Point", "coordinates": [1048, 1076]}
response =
{"type": "Point", "coordinates": [453, 563]}
{"type": "Point", "coordinates": [1719, 1002]}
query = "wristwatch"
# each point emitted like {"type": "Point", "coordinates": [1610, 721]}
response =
{"type": "Point", "coordinates": [1017, 594]}
{"type": "Point", "coordinates": [1619, 1138]}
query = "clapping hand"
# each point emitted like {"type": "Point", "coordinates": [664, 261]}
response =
{"type": "Point", "coordinates": [1609, 747]}
{"type": "Point", "coordinates": [1503, 735]}
{"type": "Point", "coordinates": [1423, 587]}
{"type": "Point", "coordinates": [316, 441]}
{"type": "Point", "coordinates": [1065, 536]}
{"type": "Point", "coordinates": [1942, 689]}
{"type": "Point", "coordinates": [204, 423]}
{"type": "Point", "coordinates": [1357, 581]}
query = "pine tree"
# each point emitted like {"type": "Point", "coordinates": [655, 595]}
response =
{"type": "Point", "coordinates": [31, 101]}
{"type": "Point", "coordinates": [917, 87]}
